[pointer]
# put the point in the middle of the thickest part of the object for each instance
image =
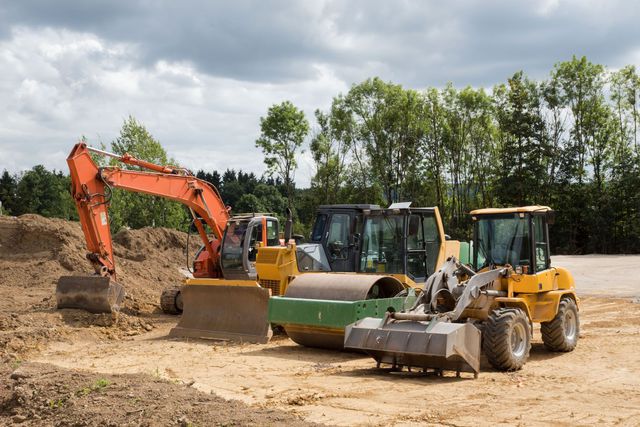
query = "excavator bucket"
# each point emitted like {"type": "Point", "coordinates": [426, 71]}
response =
{"type": "Point", "coordinates": [224, 312]}
{"type": "Point", "coordinates": [95, 294]}
{"type": "Point", "coordinates": [431, 344]}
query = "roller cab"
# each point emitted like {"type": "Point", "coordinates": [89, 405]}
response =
{"type": "Point", "coordinates": [398, 249]}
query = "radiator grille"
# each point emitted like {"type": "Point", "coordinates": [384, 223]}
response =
{"type": "Point", "coordinates": [274, 285]}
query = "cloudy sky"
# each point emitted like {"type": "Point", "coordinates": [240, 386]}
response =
{"type": "Point", "coordinates": [199, 74]}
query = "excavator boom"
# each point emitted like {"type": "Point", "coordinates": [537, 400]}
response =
{"type": "Point", "coordinates": [91, 188]}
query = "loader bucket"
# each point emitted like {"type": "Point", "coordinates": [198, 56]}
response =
{"type": "Point", "coordinates": [222, 312]}
{"type": "Point", "coordinates": [95, 294]}
{"type": "Point", "coordinates": [432, 344]}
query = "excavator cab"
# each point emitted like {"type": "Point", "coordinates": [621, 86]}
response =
{"type": "Point", "coordinates": [243, 236]}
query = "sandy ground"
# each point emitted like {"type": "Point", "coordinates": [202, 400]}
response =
{"type": "Point", "coordinates": [598, 383]}
{"type": "Point", "coordinates": [603, 275]}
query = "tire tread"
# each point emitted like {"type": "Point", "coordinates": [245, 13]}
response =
{"type": "Point", "coordinates": [552, 332]}
{"type": "Point", "coordinates": [496, 344]}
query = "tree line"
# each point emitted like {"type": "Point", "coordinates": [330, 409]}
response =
{"type": "Point", "coordinates": [569, 141]}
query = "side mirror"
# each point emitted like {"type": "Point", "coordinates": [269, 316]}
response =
{"type": "Point", "coordinates": [551, 217]}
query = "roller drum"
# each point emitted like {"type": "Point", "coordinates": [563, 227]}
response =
{"type": "Point", "coordinates": [333, 287]}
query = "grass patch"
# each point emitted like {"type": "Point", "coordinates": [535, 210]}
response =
{"type": "Point", "coordinates": [56, 403]}
{"type": "Point", "coordinates": [97, 386]}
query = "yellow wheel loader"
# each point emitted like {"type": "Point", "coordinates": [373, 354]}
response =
{"type": "Point", "coordinates": [489, 308]}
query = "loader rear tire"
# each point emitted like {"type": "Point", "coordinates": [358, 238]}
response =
{"type": "Point", "coordinates": [561, 333]}
{"type": "Point", "coordinates": [171, 300]}
{"type": "Point", "coordinates": [507, 339]}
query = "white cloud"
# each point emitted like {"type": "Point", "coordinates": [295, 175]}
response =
{"type": "Point", "coordinates": [61, 84]}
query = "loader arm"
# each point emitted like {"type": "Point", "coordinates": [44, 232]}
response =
{"type": "Point", "coordinates": [91, 190]}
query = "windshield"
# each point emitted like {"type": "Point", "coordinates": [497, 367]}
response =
{"type": "Point", "coordinates": [502, 240]}
{"type": "Point", "coordinates": [232, 245]}
{"type": "Point", "coordinates": [382, 250]}
{"type": "Point", "coordinates": [318, 227]}
{"type": "Point", "coordinates": [311, 257]}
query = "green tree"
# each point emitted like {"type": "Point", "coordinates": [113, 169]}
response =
{"type": "Point", "coordinates": [581, 84]}
{"type": "Point", "coordinates": [470, 152]}
{"type": "Point", "coordinates": [45, 193]}
{"type": "Point", "coordinates": [329, 150]}
{"type": "Point", "coordinates": [283, 131]}
{"type": "Point", "coordinates": [265, 199]}
{"type": "Point", "coordinates": [385, 133]}
{"type": "Point", "coordinates": [625, 94]}
{"type": "Point", "coordinates": [8, 188]}
{"type": "Point", "coordinates": [140, 210]}
{"type": "Point", "coordinates": [523, 146]}
{"type": "Point", "coordinates": [432, 148]}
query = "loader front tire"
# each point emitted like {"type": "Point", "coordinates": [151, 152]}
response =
{"type": "Point", "coordinates": [171, 300]}
{"type": "Point", "coordinates": [507, 339]}
{"type": "Point", "coordinates": [561, 333]}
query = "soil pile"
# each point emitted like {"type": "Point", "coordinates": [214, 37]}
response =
{"type": "Point", "coordinates": [35, 251]}
{"type": "Point", "coordinates": [40, 394]}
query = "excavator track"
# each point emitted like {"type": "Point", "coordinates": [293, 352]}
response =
{"type": "Point", "coordinates": [171, 300]}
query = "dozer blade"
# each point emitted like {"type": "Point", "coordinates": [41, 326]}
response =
{"type": "Point", "coordinates": [431, 344]}
{"type": "Point", "coordinates": [95, 294]}
{"type": "Point", "coordinates": [233, 313]}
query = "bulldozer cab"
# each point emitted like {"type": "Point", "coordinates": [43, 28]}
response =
{"type": "Point", "coordinates": [242, 238]}
{"type": "Point", "coordinates": [518, 237]}
{"type": "Point", "coordinates": [401, 241]}
{"type": "Point", "coordinates": [337, 229]}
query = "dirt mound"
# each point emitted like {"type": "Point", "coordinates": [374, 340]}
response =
{"type": "Point", "coordinates": [35, 251]}
{"type": "Point", "coordinates": [36, 394]}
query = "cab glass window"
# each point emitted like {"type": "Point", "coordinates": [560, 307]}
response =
{"type": "Point", "coordinates": [272, 233]}
{"type": "Point", "coordinates": [318, 227]}
{"type": "Point", "coordinates": [432, 242]}
{"type": "Point", "coordinates": [416, 249]}
{"type": "Point", "coordinates": [542, 245]}
{"type": "Point", "coordinates": [382, 250]}
{"type": "Point", "coordinates": [502, 240]}
{"type": "Point", "coordinates": [232, 245]}
{"type": "Point", "coordinates": [256, 239]}
{"type": "Point", "coordinates": [338, 240]}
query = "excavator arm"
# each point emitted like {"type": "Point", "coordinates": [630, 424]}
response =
{"type": "Point", "coordinates": [91, 188]}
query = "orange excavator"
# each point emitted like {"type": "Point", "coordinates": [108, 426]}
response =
{"type": "Point", "coordinates": [229, 254]}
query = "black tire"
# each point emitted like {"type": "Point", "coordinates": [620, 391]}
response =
{"type": "Point", "coordinates": [507, 339]}
{"type": "Point", "coordinates": [561, 333]}
{"type": "Point", "coordinates": [171, 300]}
